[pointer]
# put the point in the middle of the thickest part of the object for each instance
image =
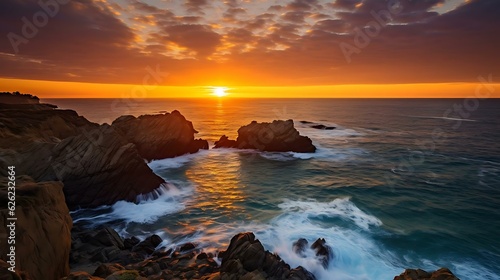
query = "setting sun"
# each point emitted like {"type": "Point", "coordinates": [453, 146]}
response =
{"type": "Point", "coordinates": [219, 91]}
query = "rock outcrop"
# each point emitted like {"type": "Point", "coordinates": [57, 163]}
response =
{"type": "Point", "coordinates": [278, 136]}
{"type": "Point", "coordinates": [18, 98]}
{"type": "Point", "coordinates": [318, 126]}
{"type": "Point", "coordinates": [98, 167]}
{"type": "Point", "coordinates": [245, 258]}
{"type": "Point", "coordinates": [43, 225]}
{"type": "Point", "coordinates": [160, 136]}
{"type": "Point", "coordinates": [419, 274]}
{"type": "Point", "coordinates": [21, 125]}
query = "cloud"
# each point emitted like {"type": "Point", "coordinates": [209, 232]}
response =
{"type": "Point", "coordinates": [196, 6]}
{"type": "Point", "coordinates": [253, 42]}
{"type": "Point", "coordinates": [196, 37]}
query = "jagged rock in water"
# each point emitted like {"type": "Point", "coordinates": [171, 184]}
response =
{"type": "Point", "coordinates": [323, 251]}
{"type": "Point", "coordinates": [300, 246]}
{"type": "Point", "coordinates": [224, 142]}
{"type": "Point", "coordinates": [278, 136]}
{"type": "Point", "coordinates": [419, 274]}
{"type": "Point", "coordinates": [160, 136]}
{"type": "Point", "coordinates": [245, 258]}
{"type": "Point", "coordinates": [43, 226]}
{"type": "Point", "coordinates": [323, 127]}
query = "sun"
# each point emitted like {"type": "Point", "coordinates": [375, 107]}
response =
{"type": "Point", "coordinates": [219, 91]}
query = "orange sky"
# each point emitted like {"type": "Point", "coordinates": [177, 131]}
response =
{"type": "Point", "coordinates": [289, 48]}
{"type": "Point", "coordinates": [48, 89]}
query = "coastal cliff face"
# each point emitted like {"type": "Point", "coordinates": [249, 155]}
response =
{"type": "Point", "coordinates": [97, 168]}
{"type": "Point", "coordinates": [278, 136]}
{"type": "Point", "coordinates": [22, 124]}
{"type": "Point", "coordinates": [43, 238]}
{"type": "Point", "coordinates": [160, 136]}
{"type": "Point", "coordinates": [98, 164]}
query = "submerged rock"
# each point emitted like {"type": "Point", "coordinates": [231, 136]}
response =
{"type": "Point", "coordinates": [43, 226]}
{"type": "Point", "coordinates": [299, 247]}
{"type": "Point", "coordinates": [323, 127]}
{"type": "Point", "coordinates": [419, 274]}
{"type": "Point", "coordinates": [322, 251]}
{"type": "Point", "coordinates": [278, 136]}
{"type": "Point", "coordinates": [160, 136]}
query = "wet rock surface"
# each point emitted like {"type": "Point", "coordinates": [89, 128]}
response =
{"type": "Point", "coordinates": [278, 136]}
{"type": "Point", "coordinates": [160, 136]}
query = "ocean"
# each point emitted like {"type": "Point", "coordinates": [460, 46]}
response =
{"type": "Point", "coordinates": [400, 183]}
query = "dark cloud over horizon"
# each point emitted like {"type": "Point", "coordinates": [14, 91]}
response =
{"type": "Point", "coordinates": [294, 42]}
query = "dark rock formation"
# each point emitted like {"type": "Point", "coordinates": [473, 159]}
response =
{"type": "Point", "coordinates": [18, 98]}
{"type": "Point", "coordinates": [419, 274]}
{"type": "Point", "coordinates": [92, 247]}
{"type": "Point", "coordinates": [98, 167]}
{"type": "Point", "coordinates": [278, 136]}
{"type": "Point", "coordinates": [160, 136]}
{"type": "Point", "coordinates": [323, 127]}
{"type": "Point", "coordinates": [323, 251]}
{"type": "Point", "coordinates": [318, 126]}
{"type": "Point", "coordinates": [43, 226]}
{"type": "Point", "coordinates": [6, 274]}
{"type": "Point", "coordinates": [300, 246]}
{"type": "Point", "coordinates": [21, 125]}
{"type": "Point", "coordinates": [245, 258]}
{"type": "Point", "coordinates": [224, 142]}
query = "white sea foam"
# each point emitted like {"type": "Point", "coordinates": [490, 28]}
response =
{"type": "Point", "coordinates": [167, 199]}
{"type": "Point", "coordinates": [340, 207]}
{"type": "Point", "coordinates": [443, 118]}
{"type": "Point", "coordinates": [176, 162]}
{"type": "Point", "coordinates": [356, 256]}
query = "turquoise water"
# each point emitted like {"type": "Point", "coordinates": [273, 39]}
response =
{"type": "Point", "coordinates": [399, 183]}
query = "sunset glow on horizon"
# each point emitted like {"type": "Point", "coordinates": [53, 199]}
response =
{"type": "Point", "coordinates": [292, 49]}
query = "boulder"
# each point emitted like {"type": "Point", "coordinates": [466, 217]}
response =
{"type": "Point", "coordinates": [323, 251]}
{"type": "Point", "coordinates": [300, 247]}
{"type": "Point", "coordinates": [160, 136]}
{"type": "Point", "coordinates": [43, 238]}
{"type": "Point", "coordinates": [245, 258]}
{"type": "Point", "coordinates": [98, 167]}
{"type": "Point", "coordinates": [419, 274]}
{"type": "Point", "coordinates": [224, 142]}
{"type": "Point", "coordinates": [278, 136]}
{"type": "Point", "coordinates": [95, 246]}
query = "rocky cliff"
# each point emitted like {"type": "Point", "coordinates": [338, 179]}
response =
{"type": "Point", "coordinates": [42, 229]}
{"type": "Point", "coordinates": [160, 136]}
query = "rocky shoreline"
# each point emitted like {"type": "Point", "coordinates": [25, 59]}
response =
{"type": "Point", "coordinates": [65, 162]}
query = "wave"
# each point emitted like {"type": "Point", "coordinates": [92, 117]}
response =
{"type": "Point", "coordinates": [167, 199]}
{"type": "Point", "coordinates": [340, 207]}
{"type": "Point", "coordinates": [442, 118]}
{"type": "Point", "coordinates": [356, 255]}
